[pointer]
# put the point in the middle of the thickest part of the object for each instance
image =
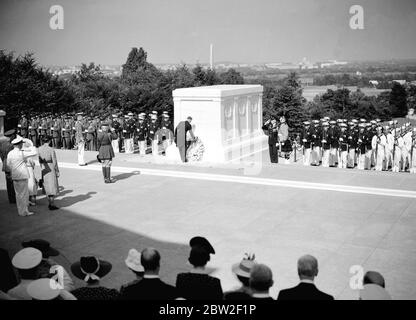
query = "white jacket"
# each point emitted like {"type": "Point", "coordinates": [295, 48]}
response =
{"type": "Point", "coordinates": [16, 163]}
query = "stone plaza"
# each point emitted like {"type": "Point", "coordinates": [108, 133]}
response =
{"type": "Point", "coordinates": [343, 217]}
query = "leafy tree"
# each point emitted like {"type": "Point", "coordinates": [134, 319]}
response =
{"type": "Point", "coordinates": [231, 77]}
{"type": "Point", "coordinates": [397, 100]}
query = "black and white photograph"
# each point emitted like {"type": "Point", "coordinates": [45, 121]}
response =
{"type": "Point", "coordinates": [213, 154]}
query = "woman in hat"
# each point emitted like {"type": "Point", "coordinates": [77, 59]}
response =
{"type": "Point", "coordinates": [242, 272]}
{"type": "Point", "coordinates": [91, 270]}
{"type": "Point", "coordinates": [198, 284]}
{"type": "Point", "coordinates": [49, 170]}
{"type": "Point", "coordinates": [105, 150]}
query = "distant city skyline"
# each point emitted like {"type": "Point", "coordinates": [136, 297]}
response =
{"type": "Point", "coordinates": [243, 31]}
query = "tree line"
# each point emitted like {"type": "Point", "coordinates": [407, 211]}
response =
{"type": "Point", "coordinates": [26, 87]}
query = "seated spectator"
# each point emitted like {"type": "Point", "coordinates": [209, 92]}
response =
{"type": "Point", "coordinates": [306, 289]}
{"type": "Point", "coordinates": [150, 287]}
{"type": "Point", "coordinates": [261, 280]}
{"type": "Point", "coordinates": [197, 284]}
{"type": "Point", "coordinates": [242, 271]}
{"type": "Point", "coordinates": [91, 270]}
{"type": "Point", "coordinates": [8, 278]}
{"type": "Point", "coordinates": [133, 263]}
{"type": "Point", "coordinates": [48, 267]}
{"type": "Point", "coordinates": [27, 262]}
{"type": "Point", "coordinates": [375, 278]}
{"type": "Point", "coordinates": [374, 292]}
{"type": "Point", "coordinates": [44, 289]}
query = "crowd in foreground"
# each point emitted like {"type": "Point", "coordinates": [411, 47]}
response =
{"type": "Point", "coordinates": [39, 277]}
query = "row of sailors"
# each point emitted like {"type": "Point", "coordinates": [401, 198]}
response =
{"type": "Point", "coordinates": [358, 143]}
{"type": "Point", "coordinates": [64, 130]}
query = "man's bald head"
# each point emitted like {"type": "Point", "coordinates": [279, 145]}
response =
{"type": "Point", "coordinates": [307, 267]}
{"type": "Point", "coordinates": [150, 259]}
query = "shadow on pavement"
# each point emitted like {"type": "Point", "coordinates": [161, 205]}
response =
{"type": "Point", "coordinates": [75, 235]}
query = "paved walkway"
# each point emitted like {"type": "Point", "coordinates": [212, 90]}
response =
{"type": "Point", "coordinates": [162, 205]}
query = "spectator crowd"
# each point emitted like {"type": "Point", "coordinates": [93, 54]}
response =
{"type": "Point", "coordinates": [32, 274]}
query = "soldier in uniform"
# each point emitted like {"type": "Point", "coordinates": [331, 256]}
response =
{"type": "Point", "coordinates": [388, 148]}
{"type": "Point", "coordinates": [352, 144]}
{"type": "Point", "coordinates": [24, 124]}
{"type": "Point", "coordinates": [412, 164]}
{"type": "Point", "coordinates": [316, 143]}
{"type": "Point", "coordinates": [343, 146]}
{"type": "Point", "coordinates": [90, 138]}
{"type": "Point", "coordinates": [166, 122]}
{"type": "Point", "coordinates": [80, 140]}
{"type": "Point", "coordinates": [141, 134]}
{"type": "Point", "coordinates": [368, 146]}
{"type": "Point", "coordinates": [306, 140]}
{"type": "Point", "coordinates": [115, 125]}
{"type": "Point", "coordinates": [333, 136]}
{"type": "Point", "coordinates": [378, 144]}
{"type": "Point", "coordinates": [128, 130]}
{"type": "Point", "coordinates": [326, 146]}
{"type": "Point", "coordinates": [407, 139]}
{"type": "Point", "coordinates": [151, 133]}
{"type": "Point", "coordinates": [397, 149]}
{"type": "Point", "coordinates": [362, 143]}
{"type": "Point", "coordinates": [270, 129]}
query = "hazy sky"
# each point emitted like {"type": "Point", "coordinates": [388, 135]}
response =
{"type": "Point", "coordinates": [172, 31]}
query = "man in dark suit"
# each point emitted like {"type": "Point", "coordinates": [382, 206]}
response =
{"type": "Point", "coordinates": [261, 280]}
{"type": "Point", "coordinates": [150, 287]}
{"type": "Point", "coordinates": [306, 289]}
{"type": "Point", "coordinates": [271, 130]}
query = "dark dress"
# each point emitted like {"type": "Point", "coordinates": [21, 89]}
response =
{"type": "Point", "coordinates": [95, 293]}
{"type": "Point", "coordinates": [304, 291]}
{"type": "Point", "coordinates": [236, 295]}
{"type": "Point", "coordinates": [196, 286]}
{"type": "Point", "coordinates": [8, 278]}
{"type": "Point", "coordinates": [149, 289]}
{"type": "Point", "coordinates": [105, 150]}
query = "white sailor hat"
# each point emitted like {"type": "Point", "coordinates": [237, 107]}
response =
{"type": "Point", "coordinates": [325, 124]}
{"type": "Point", "coordinates": [141, 116]}
{"type": "Point", "coordinates": [378, 120]}
{"type": "Point", "coordinates": [154, 112]}
{"type": "Point", "coordinates": [165, 112]}
{"type": "Point", "coordinates": [40, 128]}
{"type": "Point", "coordinates": [373, 122]}
{"type": "Point", "coordinates": [17, 140]}
{"type": "Point", "coordinates": [343, 125]}
{"type": "Point", "coordinates": [315, 121]}
{"type": "Point", "coordinates": [27, 258]}
{"type": "Point", "coordinates": [130, 114]}
{"type": "Point", "coordinates": [30, 127]}
{"type": "Point", "coordinates": [354, 121]}
{"type": "Point", "coordinates": [115, 116]}
{"type": "Point", "coordinates": [332, 122]}
{"type": "Point", "coordinates": [362, 120]}
{"type": "Point", "coordinates": [19, 125]}
{"type": "Point", "coordinates": [306, 123]}
{"type": "Point", "coordinates": [43, 289]}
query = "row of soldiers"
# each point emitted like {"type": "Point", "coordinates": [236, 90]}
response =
{"type": "Point", "coordinates": [141, 129]}
{"type": "Point", "coordinates": [358, 143]}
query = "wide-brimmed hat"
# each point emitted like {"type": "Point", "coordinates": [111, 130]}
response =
{"type": "Point", "coordinates": [201, 242]}
{"type": "Point", "coordinates": [90, 268]}
{"type": "Point", "coordinates": [43, 289]}
{"type": "Point", "coordinates": [133, 261]}
{"type": "Point", "coordinates": [244, 267]}
{"type": "Point", "coordinates": [17, 140]}
{"type": "Point", "coordinates": [10, 133]}
{"type": "Point", "coordinates": [42, 245]}
{"type": "Point", "coordinates": [27, 258]}
{"type": "Point", "coordinates": [374, 292]}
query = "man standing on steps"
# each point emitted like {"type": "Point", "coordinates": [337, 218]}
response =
{"type": "Point", "coordinates": [181, 131]}
{"type": "Point", "coordinates": [79, 139]}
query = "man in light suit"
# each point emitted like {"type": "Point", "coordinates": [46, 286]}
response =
{"type": "Point", "coordinates": [306, 289]}
{"type": "Point", "coordinates": [80, 141]}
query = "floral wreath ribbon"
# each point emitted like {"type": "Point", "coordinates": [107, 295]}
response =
{"type": "Point", "coordinates": [91, 275]}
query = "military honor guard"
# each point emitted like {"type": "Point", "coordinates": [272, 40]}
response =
{"type": "Point", "coordinates": [151, 129]}
{"type": "Point", "coordinates": [306, 142]}
{"type": "Point", "coordinates": [316, 143]}
{"type": "Point", "coordinates": [343, 146]}
{"type": "Point", "coordinates": [128, 133]}
{"type": "Point", "coordinates": [378, 144]}
{"type": "Point", "coordinates": [80, 140]}
{"type": "Point", "coordinates": [141, 133]}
